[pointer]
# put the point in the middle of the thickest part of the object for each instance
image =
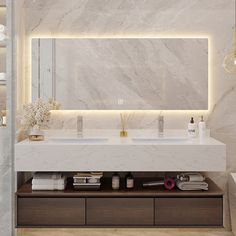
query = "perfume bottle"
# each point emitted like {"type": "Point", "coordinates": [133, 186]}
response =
{"type": "Point", "coordinates": [129, 181]}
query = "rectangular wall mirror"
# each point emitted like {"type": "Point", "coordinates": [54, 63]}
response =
{"type": "Point", "coordinates": [121, 73]}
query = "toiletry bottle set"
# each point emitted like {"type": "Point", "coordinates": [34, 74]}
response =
{"type": "Point", "coordinates": [129, 181]}
{"type": "Point", "coordinates": [192, 128]}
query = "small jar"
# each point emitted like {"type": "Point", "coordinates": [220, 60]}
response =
{"type": "Point", "coordinates": [129, 181]}
{"type": "Point", "coordinates": [115, 181]}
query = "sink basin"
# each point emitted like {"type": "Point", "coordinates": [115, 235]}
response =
{"type": "Point", "coordinates": [160, 139]}
{"type": "Point", "coordinates": [79, 140]}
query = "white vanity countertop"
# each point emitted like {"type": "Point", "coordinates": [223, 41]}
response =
{"type": "Point", "coordinates": [121, 141]}
{"type": "Point", "coordinates": [176, 153]}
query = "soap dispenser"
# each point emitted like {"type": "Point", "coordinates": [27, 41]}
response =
{"type": "Point", "coordinates": [192, 128]}
{"type": "Point", "coordinates": [202, 128]}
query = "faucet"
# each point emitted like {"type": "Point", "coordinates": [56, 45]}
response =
{"type": "Point", "coordinates": [79, 126]}
{"type": "Point", "coordinates": [160, 125]}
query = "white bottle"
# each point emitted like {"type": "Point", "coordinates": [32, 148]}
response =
{"type": "Point", "coordinates": [115, 181]}
{"type": "Point", "coordinates": [202, 128]}
{"type": "Point", "coordinates": [192, 132]}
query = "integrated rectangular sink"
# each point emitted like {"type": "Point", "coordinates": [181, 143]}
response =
{"type": "Point", "coordinates": [79, 140]}
{"type": "Point", "coordinates": [141, 151]}
{"type": "Point", "coordinates": [161, 139]}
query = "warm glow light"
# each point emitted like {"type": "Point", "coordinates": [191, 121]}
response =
{"type": "Point", "coordinates": [172, 112]}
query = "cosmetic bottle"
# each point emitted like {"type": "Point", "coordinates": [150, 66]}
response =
{"type": "Point", "coordinates": [115, 181]}
{"type": "Point", "coordinates": [202, 128]}
{"type": "Point", "coordinates": [129, 181]}
{"type": "Point", "coordinates": [192, 128]}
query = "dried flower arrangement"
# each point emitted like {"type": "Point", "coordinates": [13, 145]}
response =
{"type": "Point", "coordinates": [36, 115]}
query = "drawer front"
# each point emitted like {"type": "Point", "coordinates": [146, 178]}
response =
{"type": "Point", "coordinates": [189, 212]}
{"type": "Point", "coordinates": [50, 211]}
{"type": "Point", "coordinates": [120, 211]}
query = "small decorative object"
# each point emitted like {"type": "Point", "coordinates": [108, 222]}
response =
{"type": "Point", "coordinates": [115, 181]}
{"type": "Point", "coordinates": [124, 121]}
{"type": "Point", "coordinates": [35, 117]}
{"type": "Point", "coordinates": [129, 181]}
{"type": "Point", "coordinates": [229, 62]}
{"type": "Point", "coordinates": [3, 118]}
{"type": "Point", "coordinates": [2, 32]}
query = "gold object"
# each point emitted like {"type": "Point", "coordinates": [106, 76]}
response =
{"type": "Point", "coordinates": [36, 137]}
{"type": "Point", "coordinates": [124, 121]}
{"type": "Point", "coordinates": [123, 134]}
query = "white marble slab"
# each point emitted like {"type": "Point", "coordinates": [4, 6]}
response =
{"type": "Point", "coordinates": [121, 154]}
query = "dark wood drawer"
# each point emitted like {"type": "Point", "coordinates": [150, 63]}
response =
{"type": "Point", "coordinates": [50, 211]}
{"type": "Point", "coordinates": [120, 211]}
{"type": "Point", "coordinates": [189, 211]}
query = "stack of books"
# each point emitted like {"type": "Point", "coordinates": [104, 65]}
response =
{"type": "Point", "coordinates": [87, 180]}
{"type": "Point", "coordinates": [48, 181]}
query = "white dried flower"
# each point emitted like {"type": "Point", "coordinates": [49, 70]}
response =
{"type": "Point", "coordinates": [35, 114]}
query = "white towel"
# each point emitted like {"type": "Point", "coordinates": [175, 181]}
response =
{"type": "Point", "coordinates": [2, 76]}
{"type": "Point", "coordinates": [2, 28]}
{"type": "Point", "coordinates": [47, 176]}
{"type": "Point", "coordinates": [195, 185]}
{"type": "Point", "coordinates": [48, 187]}
{"type": "Point", "coordinates": [48, 181]}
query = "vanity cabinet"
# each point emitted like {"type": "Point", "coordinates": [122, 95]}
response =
{"type": "Point", "coordinates": [51, 211]}
{"type": "Point", "coordinates": [124, 208]}
{"type": "Point", "coordinates": [189, 211]}
{"type": "Point", "coordinates": [120, 211]}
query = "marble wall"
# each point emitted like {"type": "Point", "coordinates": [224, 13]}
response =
{"type": "Point", "coordinates": [215, 19]}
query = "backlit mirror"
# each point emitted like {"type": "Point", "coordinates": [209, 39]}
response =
{"type": "Point", "coordinates": [122, 73]}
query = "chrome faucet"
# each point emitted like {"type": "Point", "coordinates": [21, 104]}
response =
{"type": "Point", "coordinates": [160, 125]}
{"type": "Point", "coordinates": [80, 126]}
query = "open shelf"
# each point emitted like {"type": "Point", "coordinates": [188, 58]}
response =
{"type": "Point", "coordinates": [3, 82]}
{"type": "Point", "coordinates": [26, 191]}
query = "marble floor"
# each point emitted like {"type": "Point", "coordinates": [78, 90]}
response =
{"type": "Point", "coordinates": [122, 232]}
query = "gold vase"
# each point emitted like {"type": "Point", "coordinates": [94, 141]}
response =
{"type": "Point", "coordinates": [36, 135]}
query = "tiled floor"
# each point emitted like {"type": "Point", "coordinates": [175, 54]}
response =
{"type": "Point", "coordinates": [122, 232]}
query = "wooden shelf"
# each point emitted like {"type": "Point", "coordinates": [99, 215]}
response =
{"type": "Point", "coordinates": [214, 191]}
{"type": "Point", "coordinates": [3, 82]}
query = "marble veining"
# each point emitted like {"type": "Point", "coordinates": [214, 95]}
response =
{"type": "Point", "coordinates": [123, 74]}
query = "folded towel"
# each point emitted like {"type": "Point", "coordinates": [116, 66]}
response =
{"type": "Point", "coordinates": [49, 181]}
{"type": "Point", "coordinates": [48, 187]}
{"type": "Point", "coordinates": [195, 185]}
{"type": "Point", "coordinates": [47, 176]}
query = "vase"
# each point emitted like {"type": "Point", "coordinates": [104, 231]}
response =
{"type": "Point", "coordinates": [36, 134]}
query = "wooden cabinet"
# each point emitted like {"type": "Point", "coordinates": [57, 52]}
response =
{"type": "Point", "coordinates": [189, 211]}
{"type": "Point", "coordinates": [50, 211]}
{"type": "Point", "coordinates": [131, 208]}
{"type": "Point", "coordinates": [120, 211]}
